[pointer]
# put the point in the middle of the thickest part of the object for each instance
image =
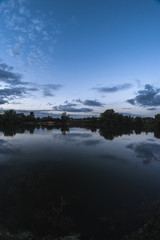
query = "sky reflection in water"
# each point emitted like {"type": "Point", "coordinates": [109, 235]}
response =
{"type": "Point", "coordinates": [102, 182]}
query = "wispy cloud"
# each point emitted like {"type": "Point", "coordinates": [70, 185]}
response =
{"type": "Point", "coordinates": [31, 29]}
{"type": "Point", "coordinates": [47, 89]}
{"type": "Point", "coordinates": [13, 52]}
{"type": "Point", "coordinates": [148, 97]}
{"type": "Point", "coordinates": [112, 89]}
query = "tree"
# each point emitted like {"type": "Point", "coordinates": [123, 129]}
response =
{"type": "Point", "coordinates": [157, 117]}
{"type": "Point", "coordinates": [9, 115]}
{"type": "Point", "coordinates": [64, 116]}
{"type": "Point", "coordinates": [138, 123]}
{"type": "Point", "coordinates": [32, 115]}
{"type": "Point", "coordinates": [108, 114]}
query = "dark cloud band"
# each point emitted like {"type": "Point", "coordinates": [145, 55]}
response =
{"type": "Point", "coordinates": [91, 103]}
{"type": "Point", "coordinates": [71, 107]}
{"type": "Point", "coordinates": [113, 89]}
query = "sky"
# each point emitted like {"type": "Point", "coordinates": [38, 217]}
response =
{"type": "Point", "coordinates": [80, 56]}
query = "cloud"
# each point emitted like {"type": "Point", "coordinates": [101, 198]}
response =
{"type": "Point", "coordinates": [4, 66]}
{"type": "Point", "coordinates": [48, 89]}
{"type": "Point", "coordinates": [18, 91]}
{"type": "Point", "coordinates": [2, 101]}
{"type": "Point", "coordinates": [38, 24]}
{"type": "Point", "coordinates": [148, 97]}
{"type": "Point", "coordinates": [7, 76]}
{"type": "Point", "coordinates": [91, 103]}
{"type": "Point", "coordinates": [7, 94]}
{"type": "Point", "coordinates": [74, 106]}
{"type": "Point", "coordinates": [15, 86]}
{"type": "Point", "coordinates": [47, 93]}
{"type": "Point", "coordinates": [30, 27]}
{"type": "Point", "coordinates": [113, 89]}
{"type": "Point", "coordinates": [71, 107]}
{"type": "Point", "coordinates": [151, 109]}
{"type": "Point", "coordinates": [13, 53]}
{"type": "Point", "coordinates": [146, 151]}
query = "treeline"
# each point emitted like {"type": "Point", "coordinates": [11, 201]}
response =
{"type": "Point", "coordinates": [10, 117]}
{"type": "Point", "coordinates": [108, 119]}
{"type": "Point", "coordinates": [109, 124]}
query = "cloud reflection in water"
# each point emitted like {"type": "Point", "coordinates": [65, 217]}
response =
{"type": "Point", "coordinates": [146, 151]}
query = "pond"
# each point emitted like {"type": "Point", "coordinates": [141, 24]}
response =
{"type": "Point", "coordinates": [57, 182]}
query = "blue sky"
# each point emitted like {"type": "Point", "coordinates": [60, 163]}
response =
{"type": "Point", "coordinates": [80, 56]}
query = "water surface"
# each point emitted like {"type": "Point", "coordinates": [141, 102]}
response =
{"type": "Point", "coordinates": [57, 182]}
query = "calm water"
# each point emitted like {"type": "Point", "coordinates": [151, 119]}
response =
{"type": "Point", "coordinates": [55, 182]}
